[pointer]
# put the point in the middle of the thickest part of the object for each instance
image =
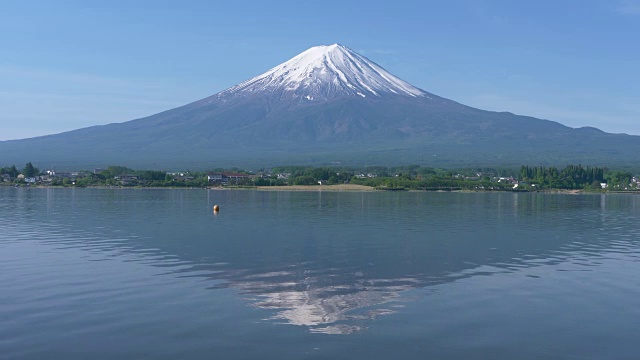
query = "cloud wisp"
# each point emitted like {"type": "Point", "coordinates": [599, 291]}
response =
{"type": "Point", "coordinates": [628, 7]}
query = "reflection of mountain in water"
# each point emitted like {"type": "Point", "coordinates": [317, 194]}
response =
{"type": "Point", "coordinates": [325, 308]}
{"type": "Point", "coordinates": [332, 261]}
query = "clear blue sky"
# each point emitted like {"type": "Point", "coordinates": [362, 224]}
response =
{"type": "Point", "coordinates": [71, 64]}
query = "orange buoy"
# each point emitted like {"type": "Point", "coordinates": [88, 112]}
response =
{"type": "Point", "coordinates": [216, 208]}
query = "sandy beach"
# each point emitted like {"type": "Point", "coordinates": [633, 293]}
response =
{"type": "Point", "coordinates": [339, 187]}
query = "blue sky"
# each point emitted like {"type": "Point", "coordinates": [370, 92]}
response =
{"type": "Point", "coordinates": [71, 64]}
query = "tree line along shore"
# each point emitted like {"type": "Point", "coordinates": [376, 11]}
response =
{"type": "Point", "coordinates": [413, 177]}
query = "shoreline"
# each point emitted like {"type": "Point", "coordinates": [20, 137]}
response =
{"type": "Point", "coordinates": [338, 187]}
{"type": "Point", "coordinates": [327, 188]}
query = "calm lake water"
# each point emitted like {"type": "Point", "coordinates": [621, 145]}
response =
{"type": "Point", "coordinates": [130, 274]}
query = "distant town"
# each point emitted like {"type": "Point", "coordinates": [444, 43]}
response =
{"type": "Point", "coordinates": [414, 177]}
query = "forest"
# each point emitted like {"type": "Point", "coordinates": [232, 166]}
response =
{"type": "Point", "coordinates": [413, 177]}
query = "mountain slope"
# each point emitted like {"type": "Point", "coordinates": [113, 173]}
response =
{"type": "Point", "coordinates": [328, 104]}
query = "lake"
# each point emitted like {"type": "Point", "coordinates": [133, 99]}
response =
{"type": "Point", "coordinates": [140, 273]}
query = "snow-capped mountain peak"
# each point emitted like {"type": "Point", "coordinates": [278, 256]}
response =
{"type": "Point", "coordinates": [323, 72]}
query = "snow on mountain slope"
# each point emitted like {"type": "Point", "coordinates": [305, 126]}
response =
{"type": "Point", "coordinates": [323, 72]}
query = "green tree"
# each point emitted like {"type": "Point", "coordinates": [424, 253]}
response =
{"type": "Point", "coordinates": [152, 175]}
{"type": "Point", "coordinates": [83, 182]}
{"type": "Point", "coordinates": [12, 171]}
{"type": "Point", "coordinates": [304, 180]}
{"type": "Point", "coordinates": [30, 170]}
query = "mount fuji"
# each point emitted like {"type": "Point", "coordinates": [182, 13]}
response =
{"type": "Point", "coordinates": [326, 105]}
{"type": "Point", "coordinates": [323, 73]}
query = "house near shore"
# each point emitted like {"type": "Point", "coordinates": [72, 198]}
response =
{"type": "Point", "coordinates": [63, 175]}
{"type": "Point", "coordinates": [506, 180]}
{"type": "Point", "coordinates": [126, 179]}
{"type": "Point", "coordinates": [368, 175]}
{"type": "Point", "coordinates": [43, 178]}
{"type": "Point", "coordinates": [226, 178]}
